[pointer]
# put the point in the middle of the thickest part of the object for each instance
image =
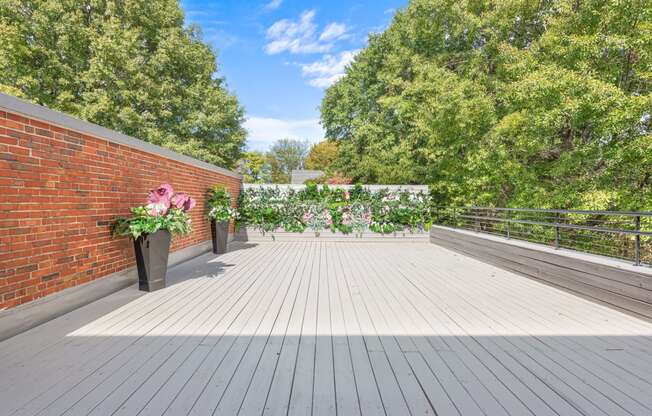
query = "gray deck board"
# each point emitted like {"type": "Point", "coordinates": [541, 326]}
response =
{"type": "Point", "coordinates": [334, 328]}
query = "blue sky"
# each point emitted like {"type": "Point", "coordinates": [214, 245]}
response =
{"type": "Point", "coordinates": [278, 55]}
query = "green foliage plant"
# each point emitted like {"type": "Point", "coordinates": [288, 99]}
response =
{"type": "Point", "coordinates": [218, 204]}
{"type": "Point", "coordinates": [321, 208]}
{"type": "Point", "coordinates": [317, 217]}
{"type": "Point", "coordinates": [133, 66]}
{"type": "Point", "coordinates": [531, 104]}
{"type": "Point", "coordinates": [165, 211]}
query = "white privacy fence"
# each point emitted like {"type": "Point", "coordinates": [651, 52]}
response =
{"type": "Point", "coordinates": [411, 188]}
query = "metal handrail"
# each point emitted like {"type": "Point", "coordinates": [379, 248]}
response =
{"type": "Point", "coordinates": [478, 215]}
{"type": "Point", "coordinates": [560, 225]}
{"type": "Point", "coordinates": [561, 211]}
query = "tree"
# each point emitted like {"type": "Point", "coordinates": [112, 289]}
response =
{"type": "Point", "coordinates": [533, 104]}
{"type": "Point", "coordinates": [127, 65]}
{"type": "Point", "coordinates": [286, 155]}
{"type": "Point", "coordinates": [321, 156]}
{"type": "Point", "coordinates": [255, 168]}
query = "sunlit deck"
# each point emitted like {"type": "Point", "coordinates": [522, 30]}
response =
{"type": "Point", "coordinates": [334, 328]}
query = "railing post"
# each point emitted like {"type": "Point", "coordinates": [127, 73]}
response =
{"type": "Point", "coordinates": [557, 233]}
{"type": "Point", "coordinates": [508, 222]}
{"type": "Point", "coordinates": [637, 247]}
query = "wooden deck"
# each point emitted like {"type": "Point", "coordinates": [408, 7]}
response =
{"type": "Point", "coordinates": [331, 328]}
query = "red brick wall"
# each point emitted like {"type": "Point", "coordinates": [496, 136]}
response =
{"type": "Point", "coordinates": [60, 191]}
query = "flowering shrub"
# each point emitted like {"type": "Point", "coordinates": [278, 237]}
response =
{"type": "Point", "coordinates": [261, 208]}
{"type": "Point", "coordinates": [360, 218]}
{"type": "Point", "coordinates": [317, 218]}
{"type": "Point", "coordinates": [165, 210]}
{"type": "Point", "coordinates": [347, 211]}
{"type": "Point", "coordinates": [218, 204]}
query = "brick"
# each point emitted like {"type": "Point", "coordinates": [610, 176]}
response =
{"type": "Point", "coordinates": [62, 190]}
{"type": "Point", "coordinates": [50, 276]}
{"type": "Point", "coordinates": [8, 140]}
{"type": "Point", "coordinates": [25, 269]}
{"type": "Point", "coordinates": [11, 124]}
{"type": "Point", "coordinates": [39, 124]}
{"type": "Point", "coordinates": [16, 117]}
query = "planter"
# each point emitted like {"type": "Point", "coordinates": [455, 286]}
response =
{"type": "Point", "coordinates": [152, 252]}
{"type": "Point", "coordinates": [220, 234]}
{"type": "Point", "coordinates": [255, 235]}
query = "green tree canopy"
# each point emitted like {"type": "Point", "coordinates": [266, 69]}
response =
{"type": "Point", "coordinates": [321, 156]}
{"type": "Point", "coordinates": [127, 65]}
{"type": "Point", "coordinates": [513, 103]}
{"type": "Point", "coordinates": [255, 168]}
{"type": "Point", "coordinates": [286, 155]}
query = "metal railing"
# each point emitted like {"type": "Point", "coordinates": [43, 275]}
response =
{"type": "Point", "coordinates": [625, 235]}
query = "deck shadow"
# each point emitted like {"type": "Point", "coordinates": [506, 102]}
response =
{"type": "Point", "coordinates": [366, 374]}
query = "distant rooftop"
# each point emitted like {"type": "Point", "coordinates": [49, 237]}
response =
{"type": "Point", "coordinates": [299, 176]}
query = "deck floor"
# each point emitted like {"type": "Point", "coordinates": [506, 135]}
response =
{"type": "Point", "coordinates": [331, 328]}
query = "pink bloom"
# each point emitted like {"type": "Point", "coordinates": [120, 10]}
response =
{"type": "Point", "coordinates": [189, 204]}
{"type": "Point", "coordinates": [161, 194]}
{"type": "Point", "coordinates": [159, 199]}
{"type": "Point", "coordinates": [178, 200]}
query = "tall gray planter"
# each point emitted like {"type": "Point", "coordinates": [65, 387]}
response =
{"type": "Point", "coordinates": [152, 252]}
{"type": "Point", "coordinates": [220, 234]}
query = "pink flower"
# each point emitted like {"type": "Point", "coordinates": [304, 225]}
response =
{"type": "Point", "coordinates": [178, 200]}
{"type": "Point", "coordinates": [161, 194]}
{"type": "Point", "coordinates": [189, 204]}
{"type": "Point", "coordinates": [159, 199]}
{"type": "Point", "coordinates": [183, 201]}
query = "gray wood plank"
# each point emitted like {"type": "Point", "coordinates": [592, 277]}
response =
{"type": "Point", "coordinates": [346, 391]}
{"type": "Point", "coordinates": [277, 398]}
{"type": "Point", "coordinates": [303, 379]}
{"type": "Point", "coordinates": [367, 388]}
{"type": "Point", "coordinates": [197, 391]}
{"type": "Point", "coordinates": [212, 302]}
{"type": "Point", "coordinates": [278, 314]}
{"type": "Point", "coordinates": [323, 395]}
{"type": "Point", "coordinates": [337, 327]}
{"type": "Point", "coordinates": [517, 339]}
{"type": "Point", "coordinates": [138, 390]}
{"type": "Point", "coordinates": [391, 394]}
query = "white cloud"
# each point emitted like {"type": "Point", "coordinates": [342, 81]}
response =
{"type": "Point", "coordinates": [263, 131]}
{"type": "Point", "coordinates": [273, 5]}
{"type": "Point", "coordinates": [328, 70]}
{"type": "Point", "coordinates": [220, 38]}
{"type": "Point", "coordinates": [333, 31]}
{"type": "Point", "coordinates": [300, 36]}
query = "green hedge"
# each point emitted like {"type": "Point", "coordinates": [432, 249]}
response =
{"type": "Point", "coordinates": [336, 209]}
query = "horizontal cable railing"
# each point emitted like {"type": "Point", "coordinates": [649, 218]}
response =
{"type": "Point", "coordinates": [625, 235]}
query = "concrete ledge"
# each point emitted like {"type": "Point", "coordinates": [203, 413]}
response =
{"type": "Point", "coordinates": [613, 282]}
{"type": "Point", "coordinates": [252, 235]}
{"type": "Point", "coordinates": [24, 317]}
{"type": "Point", "coordinates": [30, 110]}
